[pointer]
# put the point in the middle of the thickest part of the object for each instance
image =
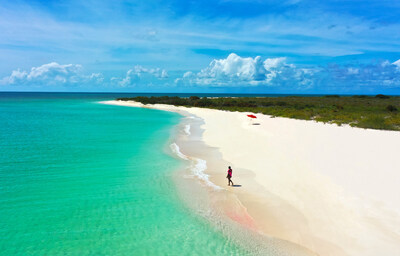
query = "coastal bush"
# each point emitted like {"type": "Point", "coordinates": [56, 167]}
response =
{"type": "Point", "coordinates": [391, 108]}
{"type": "Point", "coordinates": [194, 98]}
{"type": "Point", "coordinates": [266, 103]}
{"type": "Point", "coordinates": [229, 103]}
{"type": "Point", "coordinates": [381, 96]}
{"type": "Point", "coordinates": [359, 110]}
{"type": "Point", "coordinates": [338, 107]}
{"type": "Point", "coordinates": [203, 102]}
{"type": "Point", "coordinates": [249, 104]}
{"type": "Point", "coordinates": [375, 122]}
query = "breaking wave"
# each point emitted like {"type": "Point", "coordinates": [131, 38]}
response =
{"type": "Point", "coordinates": [197, 166]}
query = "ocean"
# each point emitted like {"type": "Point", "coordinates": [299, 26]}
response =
{"type": "Point", "coordinates": [82, 178]}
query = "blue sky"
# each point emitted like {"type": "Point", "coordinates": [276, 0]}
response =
{"type": "Point", "coordinates": [253, 46]}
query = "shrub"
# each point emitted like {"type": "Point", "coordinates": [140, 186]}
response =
{"type": "Point", "coordinates": [381, 96]}
{"type": "Point", "coordinates": [298, 107]}
{"type": "Point", "coordinates": [391, 108]}
{"type": "Point", "coordinates": [193, 98]}
{"type": "Point", "coordinates": [267, 103]}
{"type": "Point", "coordinates": [248, 104]}
{"type": "Point", "coordinates": [374, 122]}
{"type": "Point", "coordinates": [204, 102]}
{"type": "Point", "coordinates": [229, 103]}
{"type": "Point", "coordinates": [281, 103]}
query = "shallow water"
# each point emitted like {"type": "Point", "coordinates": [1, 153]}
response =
{"type": "Point", "coordinates": [81, 178]}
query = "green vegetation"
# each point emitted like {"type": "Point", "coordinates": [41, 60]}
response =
{"type": "Point", "coordinates": [379, 112]}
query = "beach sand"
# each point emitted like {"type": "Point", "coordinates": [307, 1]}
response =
{"type": "Point", "coordinates": [331, 190]}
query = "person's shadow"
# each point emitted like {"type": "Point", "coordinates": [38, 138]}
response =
{"type": "Point", "coordinates": [237, 185]}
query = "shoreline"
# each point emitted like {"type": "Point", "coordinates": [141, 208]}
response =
{"type": "Point", "coordinates": [298, 202]}
{"type": "Point", "coordinates": [212, 200]}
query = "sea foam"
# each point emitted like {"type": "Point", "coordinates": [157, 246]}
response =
{"type": "Point", "coordinates": [175, 148]}
{"type": "Point", "coordinates": [197, 166]}
{"type": "Point", "coordinates": [187, 129]}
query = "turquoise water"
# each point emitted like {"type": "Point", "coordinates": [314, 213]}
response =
{"type": "Point", "coordinates": [81, 178]}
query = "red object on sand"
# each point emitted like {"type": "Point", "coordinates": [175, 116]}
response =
{"type": "Point", "coordinates": [252, 116]}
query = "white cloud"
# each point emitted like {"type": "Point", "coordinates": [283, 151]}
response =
{"type": "Point", "coordinates": [353, 71]}
{"type": "Point", "coordinates": [397, 64]}
{"type": "Point", "coordinates": [239, 71]}
{"type": "Point", "coordinates": [140, 74]}
{"type": "Point", "coordinates": [234, 67]}
{"type": "Point", "coordinates": [52, 74]}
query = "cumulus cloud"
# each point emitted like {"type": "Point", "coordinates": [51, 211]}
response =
{"type": "Point", "coordinates": [239, 71]}
{"type": "Point", "coordinates": [140, 74]}
{"type": "Point", "coordinates": [52, 74]}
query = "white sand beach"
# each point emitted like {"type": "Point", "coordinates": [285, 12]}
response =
{"type": "Point", "coordinates": [333, 190]}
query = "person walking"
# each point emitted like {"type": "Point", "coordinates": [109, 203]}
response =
{"type": "Point", "coordinates": [229, 176]}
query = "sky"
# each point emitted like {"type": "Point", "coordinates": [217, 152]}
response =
{"type": "Point", "coordinates": [221, 46]}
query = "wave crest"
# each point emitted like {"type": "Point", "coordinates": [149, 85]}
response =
{"type": "Point", "coordinates": [197, 166]}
